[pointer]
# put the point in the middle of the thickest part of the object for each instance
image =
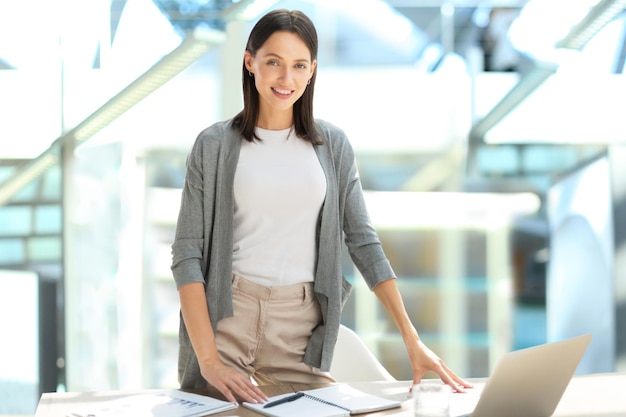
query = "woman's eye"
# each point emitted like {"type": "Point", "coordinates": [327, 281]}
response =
{"type": "Point", "coordinates": [272, 63]}
{"type": "Point", "coordinates": [300, 66]}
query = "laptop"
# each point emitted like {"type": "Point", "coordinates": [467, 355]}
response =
{"type": "Point", "coordinates": [530, 382]}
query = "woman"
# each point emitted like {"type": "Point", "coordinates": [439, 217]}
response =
{"type": "Point", "coordinates": [268, 197]}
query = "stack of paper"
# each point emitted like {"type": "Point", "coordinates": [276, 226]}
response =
{"type": "Point", "coordinates": [167, 403]}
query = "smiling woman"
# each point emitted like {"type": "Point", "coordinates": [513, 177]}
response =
{"type": "Point", "coordinates": [269, 198]}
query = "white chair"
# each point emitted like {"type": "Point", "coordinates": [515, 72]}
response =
{"type": "Point", "coordinates": [353, 361]}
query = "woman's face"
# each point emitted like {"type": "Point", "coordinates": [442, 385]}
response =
{"type": "Point", "coordinates": [282, 68]}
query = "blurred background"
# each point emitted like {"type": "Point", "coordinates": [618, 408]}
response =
{"type": "Point", "coordinates": [489, 137]}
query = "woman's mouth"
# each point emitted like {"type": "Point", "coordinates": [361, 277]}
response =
{"type": "Point", "coordinates": [281, 92]}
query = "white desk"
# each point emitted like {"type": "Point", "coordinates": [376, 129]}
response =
{"type": "Point", "coordinates": [594, 395]}
{"type": "Point", "coordinates": [599, 395]}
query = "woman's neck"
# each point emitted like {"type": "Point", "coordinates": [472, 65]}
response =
{"type": "Point", "coordinates": [275, 120]}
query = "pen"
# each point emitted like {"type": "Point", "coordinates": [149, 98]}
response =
{"type": "Point", "coordinates": [285, 400]}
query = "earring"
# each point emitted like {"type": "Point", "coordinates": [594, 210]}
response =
{"type": "Point", "coordinates": [250, 74]}
{"type": "Point", "coordinates": [308, 82]}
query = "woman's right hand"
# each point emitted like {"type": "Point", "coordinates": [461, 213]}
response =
{"type": "Point", "coordinates": [226, 380]}
{"type": "Point", "coordinates": [231, 383]}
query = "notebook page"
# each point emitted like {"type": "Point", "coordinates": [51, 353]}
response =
{"type": "Point", "coordinates": [352, 399]}
{"type": "Point", "coordinates": [302, 407]}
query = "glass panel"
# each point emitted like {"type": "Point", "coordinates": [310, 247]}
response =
{"type": "Point", "coordinates": [546, 158]}
{"type": "Point", "coordinates": [48, 219]}
{"type": "Point", "coordinates": [5, 172]}
{"type": "Point", "coordinates": [11, 251]}
{"type": "Point", "coordinates": [51, 187]}
{"type": "Point", "coordinates": [44, 249]}
{"type": "Point", "coordinates": [15, 220]}
{"type": "Point", "coordinates": [500, 159]}
{"type": "Point", "coordinates": [28, 193]}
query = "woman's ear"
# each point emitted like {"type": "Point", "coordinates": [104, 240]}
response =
{"type": "Point", "coordinates": [313, 67]}
{"type": "Point", "coordinates": [248, 59]}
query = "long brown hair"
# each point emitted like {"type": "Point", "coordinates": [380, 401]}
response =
{"type": "Point", "coordinates": [287, 21]}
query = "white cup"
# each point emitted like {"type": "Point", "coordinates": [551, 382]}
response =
{"type": "Point", "coordinates": [431, 399]}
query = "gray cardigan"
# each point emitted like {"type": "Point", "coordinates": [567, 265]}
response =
{"type": "Point", "coordinates": [203, 245]}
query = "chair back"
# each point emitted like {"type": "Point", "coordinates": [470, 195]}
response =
{"type": "Point", "coordinates": [353, 361]}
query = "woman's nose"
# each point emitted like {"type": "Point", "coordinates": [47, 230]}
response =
{"type": "Point", "coordinates": [286, 74]}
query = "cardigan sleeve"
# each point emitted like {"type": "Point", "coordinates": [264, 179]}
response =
{"type": "Point", "coordinates": [187, 249]}
{"type": "Point", "coordinates": [360, 236]}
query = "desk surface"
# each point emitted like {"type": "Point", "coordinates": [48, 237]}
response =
{"type": "Point", "coordinates": [598, 395]}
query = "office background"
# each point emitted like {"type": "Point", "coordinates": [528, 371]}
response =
{"type": "Point", "coordinates": [489, 138]}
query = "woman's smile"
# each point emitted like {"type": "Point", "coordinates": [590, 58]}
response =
{"type": "Point", "coordinates": [281, 68]}
{"type": "Point", "coordinates": [282, 92]}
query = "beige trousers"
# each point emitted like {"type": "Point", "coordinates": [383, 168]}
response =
{"type": "Point", "coordinates": [269, 331]}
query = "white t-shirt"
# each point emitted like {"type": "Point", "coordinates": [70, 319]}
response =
{"type": "Point", "coordinates": [279, 189]}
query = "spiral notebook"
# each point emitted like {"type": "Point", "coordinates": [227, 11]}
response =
{"type": "Point", "coordinates": [333, 401]}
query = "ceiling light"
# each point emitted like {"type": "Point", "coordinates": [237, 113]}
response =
{"type": "Point", "coordinates": [193, 47]}
{"type": "Point", "coordinates": [597, 18]}
{"type": "Point", "coordinates": [26, 174]}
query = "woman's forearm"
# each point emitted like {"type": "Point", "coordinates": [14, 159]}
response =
{"type": "Point", "coordinates": [389, 295]}
{"type": "Point", "coordinates": [196, 316]}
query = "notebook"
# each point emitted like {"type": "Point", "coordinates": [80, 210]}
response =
{"type": "Point", "coordinates": [333, 401]}
{"type": "Point", "coordinates": [530, 382]}
{"type": "Point", "coordinates": [163, 403]}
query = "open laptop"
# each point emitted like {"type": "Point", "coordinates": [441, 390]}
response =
{"type": "Point", "coordinates": [530, 382]}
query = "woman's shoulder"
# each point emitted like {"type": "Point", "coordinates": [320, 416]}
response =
{"type": "Point", "coordinates": [218, 132]}
{"type": "Point", "coordinates": [213, 140]}
{"type": "Point", "coordinates": [333, 135]}
{"type": "Point", "coordinates": [330, 130]}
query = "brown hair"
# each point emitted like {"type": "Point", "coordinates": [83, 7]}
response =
{"type": "Point", "coordinates": [287, 21]}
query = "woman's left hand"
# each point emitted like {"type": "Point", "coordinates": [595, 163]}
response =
{"type": "Point", "coordinates": [424, 360]}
